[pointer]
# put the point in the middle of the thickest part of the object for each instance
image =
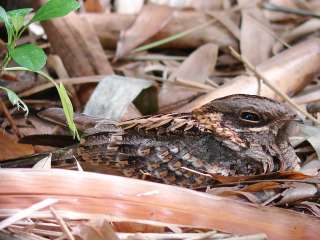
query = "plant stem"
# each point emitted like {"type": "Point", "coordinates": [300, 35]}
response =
{"type": "Point", "coordinates": [72, 125]}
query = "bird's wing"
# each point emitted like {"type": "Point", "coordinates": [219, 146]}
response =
{"type": "Point", "coordinates": [163, 147]}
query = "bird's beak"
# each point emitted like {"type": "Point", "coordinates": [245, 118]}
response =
{"type": "Point", "coordinates": [298, 120]}
{"type": "Point", "coordinates": [293, 118]}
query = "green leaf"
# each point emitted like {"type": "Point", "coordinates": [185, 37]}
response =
{"type": "Point", "coordinates": [17, 17]}
{"type": "Point", "coordinates": [55, 8]}
{"type": "Point", "coordinates": [4, 17]}
{"type": "Point", "coordinates": [29, 56]}
{"type": "Point", "coordinates": [15, 100]}
{"type": "Point", "coordinates": [68, 110]}
{"type": "Point", "coordinates": [20, 12]}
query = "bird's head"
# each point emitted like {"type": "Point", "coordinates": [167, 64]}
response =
{"type": "Point", "coordinates": [250, 115]}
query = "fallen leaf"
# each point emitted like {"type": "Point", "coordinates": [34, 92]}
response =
{"type": "Point", "coordinates": [256, 42]}
{"type": "Point", "coordinates": [150, 21]}
{"type": "Point", "coordinates": [95, 229]}
{"type": "Point", "coordinates": [96, 5]}
{"type": "Point", "coordinates": [300, 31]}
{"type": "Point", "coordinates": [11, 149]}
{"type": "Point", "coordinates": [44, 163]}
{"type": "Point", "coordinates": [279, 16]}
{"type": "Point", "coordinates": [225, 19]}
{"type": "Point", "coordinates": [312, 135]}
{"type": "Point", "coordinates": [199, 65]}
{"type": "Point", "coordinates": [113, 95]}
{"type": "Point", "coordinates": [297, 192]}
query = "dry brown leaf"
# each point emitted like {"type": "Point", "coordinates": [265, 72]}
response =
{"type": "Point", "coordinates": [290, 71]}
{"type": "Point", "coordinates": [96, 229]}
{"type": "Point", "coordinates": [256, 43]}
{"type": "Point", "coordinates": [96, 5]}
{"type": "Point", "coordinates": [131, 199]}
{"type": "Point", "coordinates": [279, 16]}
{"type": "Point", "coordinates": [150, 21]}
{"type": "Point", "coordinates": [225, 19]}
{"type": "Point", "coordinates": [297, 192]}
{"type": "Point", "coordinates": [305, 28]}
{"type": "Point", "coordinates": [108, 27]}
{"type": "Point", "coordinates": [11, 149]}
{"type": "Point", "coordinates": [172, 96]}
{"type": "Point", "coordinates": [199, 65]}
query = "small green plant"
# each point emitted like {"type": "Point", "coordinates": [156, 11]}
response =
{"type": "Point", "coordinates": [29, 56]}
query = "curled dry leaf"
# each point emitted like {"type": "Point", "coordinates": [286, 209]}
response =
{"type": "Point", "coordinates": [199, 65]}
{"type": "Point", "coordinates": [149, 22]}
{"type": "Point", "coordinates": [298, 191]}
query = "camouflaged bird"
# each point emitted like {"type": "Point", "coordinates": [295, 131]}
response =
{"type": "Point", "coordinates": [233, 135]}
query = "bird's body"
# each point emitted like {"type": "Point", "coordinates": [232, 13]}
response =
{"type": "Point", "coordinates": [235, 135]}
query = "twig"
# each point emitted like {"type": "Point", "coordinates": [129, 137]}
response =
{"type": "Point", "coordinates": [27, 212]}
{"type": "Point", "coordinates": [10, 118]}
{"type": "Point", "coordinates": [300, 12]}
{"type": "Point", "coordinates": [196, 172]}
{"type": "Point", "coordinates": [62, 224]}
{"type": "Point", "coordinates": [273, 88]}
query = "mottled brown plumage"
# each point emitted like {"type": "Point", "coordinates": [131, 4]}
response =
{"type": "Point", "coordinates": [234, 135]}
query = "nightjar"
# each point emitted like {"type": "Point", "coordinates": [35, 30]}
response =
{"type": "Point", "coordinates": [234, 135]}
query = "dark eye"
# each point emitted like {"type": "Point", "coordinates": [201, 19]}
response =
{"type": "Point", "coordinates": [250, 117]}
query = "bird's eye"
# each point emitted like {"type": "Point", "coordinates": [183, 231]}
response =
{"type": "Point", "coordinates": [250, 117]}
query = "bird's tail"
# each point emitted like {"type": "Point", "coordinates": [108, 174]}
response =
{"type": "Point", "coordinates": [62, 158]}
